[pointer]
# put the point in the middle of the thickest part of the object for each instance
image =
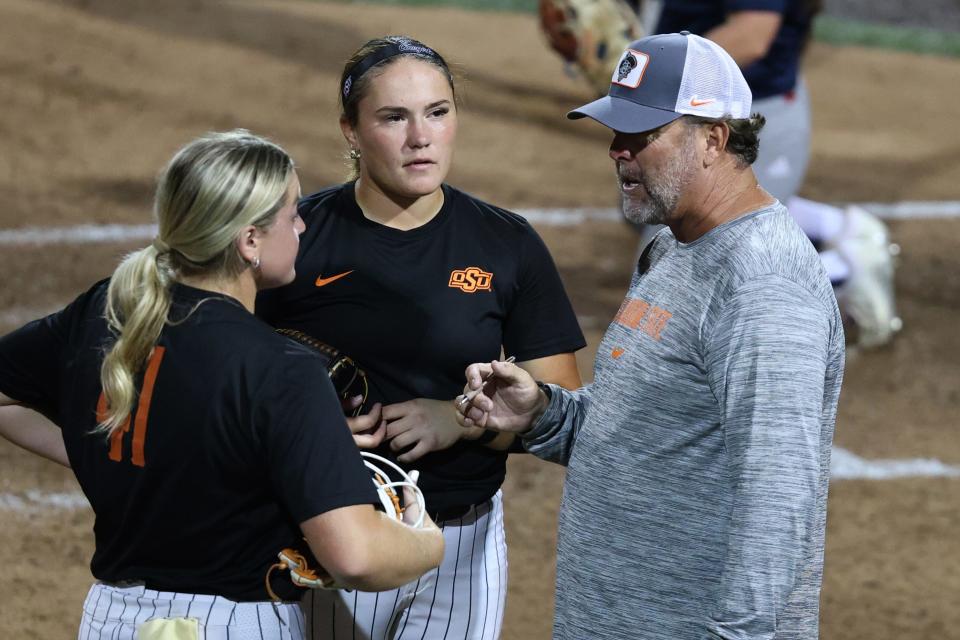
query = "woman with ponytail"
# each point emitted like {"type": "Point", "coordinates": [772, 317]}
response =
{"type": "Point", "coordinates": [205, 442]}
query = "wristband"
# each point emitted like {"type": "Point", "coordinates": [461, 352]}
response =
{"type": "Point", "coordinates": [546, 390]}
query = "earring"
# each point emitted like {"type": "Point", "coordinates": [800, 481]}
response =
{"type": "Point", "coordinates": [256, 262]}
{"type": "Point", "coordinates": [354, 154]}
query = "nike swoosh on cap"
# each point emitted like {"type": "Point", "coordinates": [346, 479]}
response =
{"type": "Point", "coordinates": [322, 282]}
{"type": "Point", "coordinates": [699, 103]}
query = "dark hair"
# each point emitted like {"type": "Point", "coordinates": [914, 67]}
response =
{"type": "Point", "coordinates": [368, 62]}
{"type": "Point", "coordinates": [353, 86]}
{"type": "Point", "coordinates": [744, 140]}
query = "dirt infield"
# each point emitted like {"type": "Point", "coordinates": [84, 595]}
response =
{"type": "Point", "coordinates": [97, 94]}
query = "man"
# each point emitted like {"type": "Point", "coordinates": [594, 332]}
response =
{"type": "Point", "coordinates": [767, 39]}
{"type": "Point", "coordinates": [698, 460]}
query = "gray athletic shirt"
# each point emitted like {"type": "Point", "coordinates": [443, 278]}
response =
{"type": "Point", "coordinates": [698, 460]}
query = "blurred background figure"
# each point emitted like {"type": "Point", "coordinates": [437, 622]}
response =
{"type": "Point", "coordinates": [767, 39]}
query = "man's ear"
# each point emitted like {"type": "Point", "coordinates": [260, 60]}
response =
{"type": "Point", "coordinates": [716, 137]}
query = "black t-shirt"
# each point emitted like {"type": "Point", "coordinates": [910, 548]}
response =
{"type": "Point", "coordinates": [415, 307]}
{"type": "Point", "coordinates": [236, 438]}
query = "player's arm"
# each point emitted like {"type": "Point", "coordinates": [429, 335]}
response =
{"type": "Point", "coordinates": [747, 35]}
{"type": "Point", "coordinates": [31, 430]}
{"type": "Point", "coordinates": [766, 360]}
{"type": "Point", "coordinates": [361, 548]}
{"type": "Point", "coordinates": [318, 474]}
{"type": "Point", "coordinates": [560, 369]}
{"type": "Point", "coordinates": [31, 363]}
{"type": "Point", "coordinates": [424, 425]}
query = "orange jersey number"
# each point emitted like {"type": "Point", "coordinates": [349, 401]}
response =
{"type": "Point", "coordinates": [140, 422]}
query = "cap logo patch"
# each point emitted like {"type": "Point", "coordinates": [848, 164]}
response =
{"type": "Point", "coordinates": [629, 71]}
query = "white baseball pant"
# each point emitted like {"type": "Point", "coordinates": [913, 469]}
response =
{"type": "Point", "coordinates": [117, 612]}
{"type": "Point", "coordinates": [461, 600]}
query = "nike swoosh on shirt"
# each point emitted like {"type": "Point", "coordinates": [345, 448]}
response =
{"type": "Point", "coordinates": [322, 282]}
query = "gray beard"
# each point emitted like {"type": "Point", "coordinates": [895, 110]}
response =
{"type": "Point", "coordinates": [655, 209]}
{"type": "Point", "coordinates": [662, 191]}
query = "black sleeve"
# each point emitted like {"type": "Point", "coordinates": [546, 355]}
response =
{"type": "Point", "coordinates": [31, 357]}
{"type": "Point", "coordinates": [313, 462]}
{"type": "Point", "coordinates": [541, 322]}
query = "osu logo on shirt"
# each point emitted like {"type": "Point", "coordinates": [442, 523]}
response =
{"type": "Point", "coordinates": [635, 313]}
{"type": "Point", "coordinates": [471, 279]}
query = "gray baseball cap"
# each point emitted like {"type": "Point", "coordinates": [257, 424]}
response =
{"type": "Point", "coordinates": [660, 78]}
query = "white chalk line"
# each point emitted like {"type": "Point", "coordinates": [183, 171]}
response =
{"type": "Point", "coordinates": [843, 466]}
{"type": "Point", "coordinates": [79, 234]}
{"type": "Point", "coordinates": [36, 501]}
{"type": "Point", "coordinates": [907, 210]}
{"type": "Point", "coordinates": [556, 217]}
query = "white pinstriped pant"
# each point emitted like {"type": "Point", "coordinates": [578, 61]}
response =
{"type": "Point", "coordinates": [461, 600]}
{"type": "Point", "coordinates": [114, 613]}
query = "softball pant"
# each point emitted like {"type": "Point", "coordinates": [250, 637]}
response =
{"type": "Point", "coordinates": [463, 599]}
{"type": "Point", "coordinates": [120, 613]}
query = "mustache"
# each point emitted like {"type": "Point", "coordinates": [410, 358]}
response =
{"type": "Point", "coordinates": [625, 175]}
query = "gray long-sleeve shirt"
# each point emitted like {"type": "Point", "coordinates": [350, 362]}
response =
{"type": "Point", "coordinates": [698, 460]}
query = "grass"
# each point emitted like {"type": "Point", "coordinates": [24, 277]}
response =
{"type": "Point", "coordinates": [826, 29]}
{"type": "Point", "coordinates": [519, 6]}
{"type": "Point", "coordinates": [846, 32]}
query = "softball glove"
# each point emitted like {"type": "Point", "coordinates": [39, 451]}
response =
{"type": "Point", "coordinates": [590, 35]}
{"type": "Point", "coordinates": [388, 491]}
{"type": "Point", "coordinates": [348, 379]}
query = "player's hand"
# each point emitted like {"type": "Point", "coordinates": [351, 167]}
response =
{"type": "Point", "coordinates": [411, 510]}
{"type": "Point", "coordinates": [426, 425]}
{"type": "Point", "coordinates": [510, 399]}
{"type": "Point", "coordinates": [368, 429]}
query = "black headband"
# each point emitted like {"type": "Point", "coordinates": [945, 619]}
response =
{"type": "Point", "coordinates": [385, 53]}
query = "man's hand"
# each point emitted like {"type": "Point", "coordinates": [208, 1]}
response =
{"type": "Point", "coordinates": [510, 399]}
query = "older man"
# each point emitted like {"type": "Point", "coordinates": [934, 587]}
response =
{"type": "Point", "coordinates": [698, 460]}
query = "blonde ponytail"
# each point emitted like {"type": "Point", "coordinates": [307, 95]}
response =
{"type": "Point", "coordinates": [138, 303]}
{"type": "Point", "coordinates": [210, 191]}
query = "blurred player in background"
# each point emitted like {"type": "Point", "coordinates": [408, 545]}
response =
{"type": "Point", "coordinates": [767, 38]}
{"type": "Point", "coordinates": [205, 442]}
{"type": "Point", "coordinates": [415, 279]}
